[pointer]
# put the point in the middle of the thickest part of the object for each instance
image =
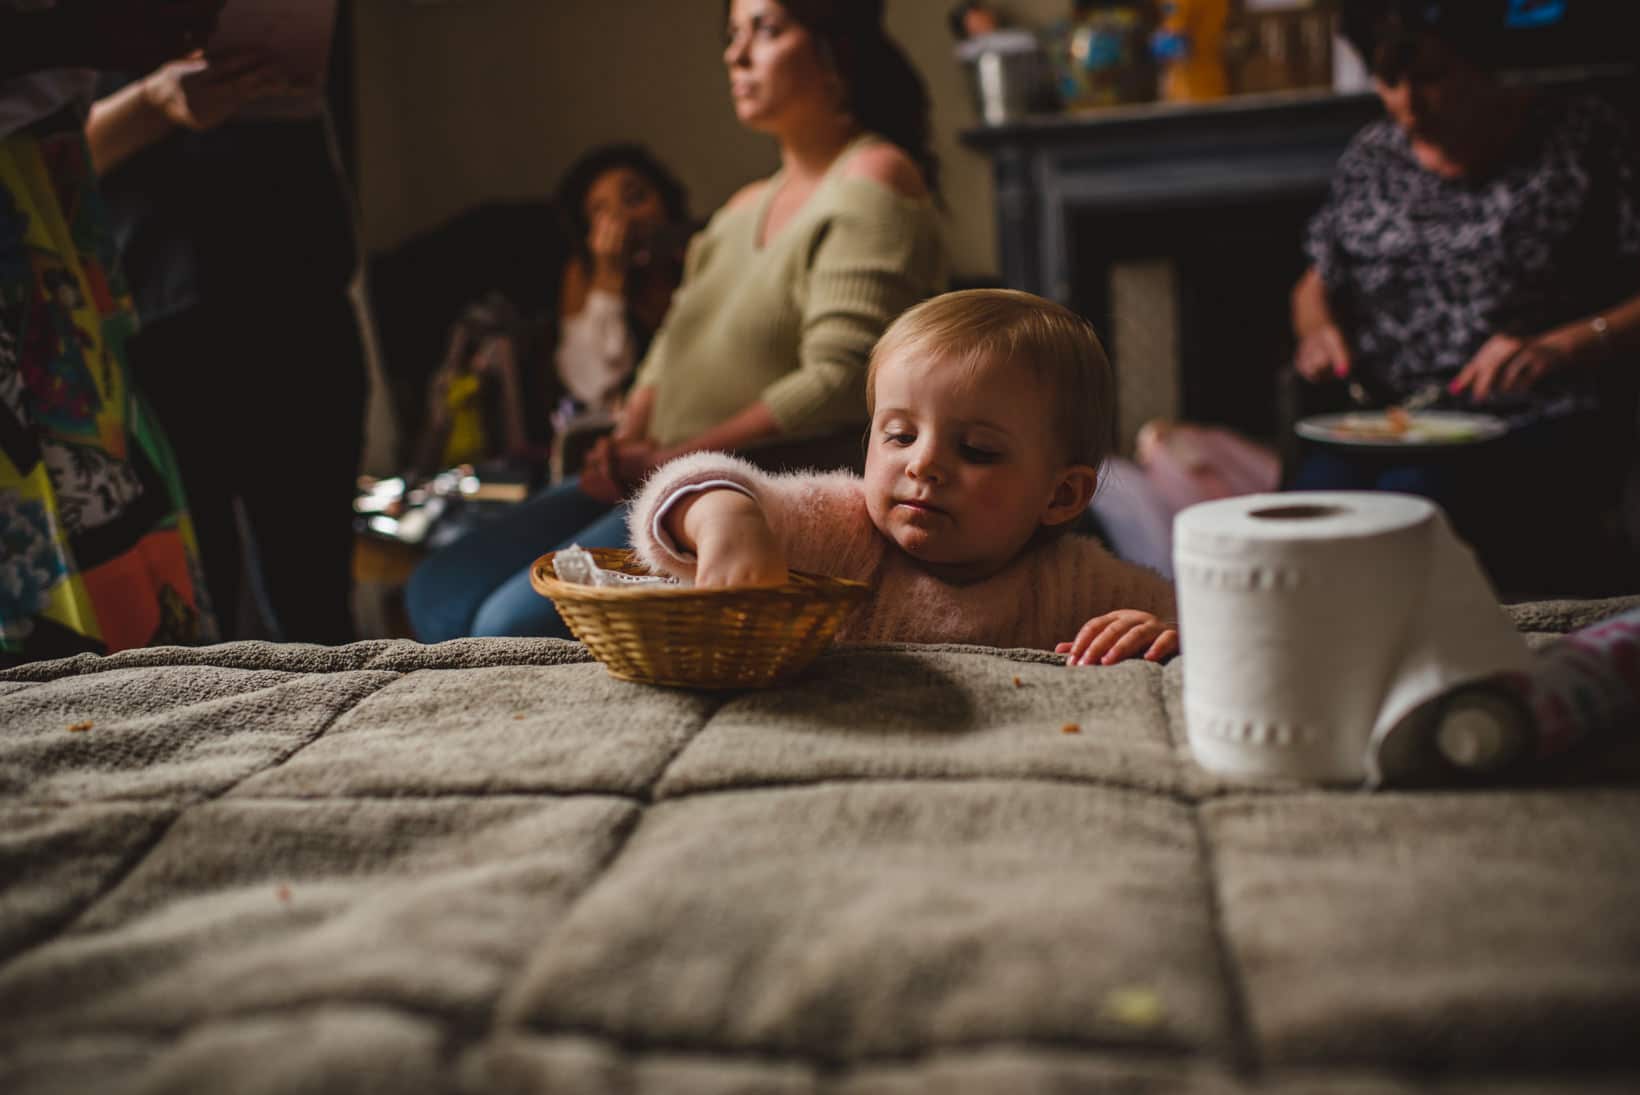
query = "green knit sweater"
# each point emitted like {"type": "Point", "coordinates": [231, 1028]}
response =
{"type": "Point", "coordinates": [791, 323]}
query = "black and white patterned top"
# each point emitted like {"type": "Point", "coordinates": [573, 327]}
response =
{"type": "Point", "coordinates": [1421, 271]}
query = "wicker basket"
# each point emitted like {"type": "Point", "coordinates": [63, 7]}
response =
{"type": "Point", "coordinates": [750, 637]}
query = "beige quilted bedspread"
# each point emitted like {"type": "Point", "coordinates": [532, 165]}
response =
{"type": "Point", "coordinates": [486, 866]}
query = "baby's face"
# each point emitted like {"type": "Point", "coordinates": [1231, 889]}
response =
{"type": "Point", "coordinates": [961, 468]}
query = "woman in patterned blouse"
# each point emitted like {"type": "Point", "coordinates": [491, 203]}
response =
{"type": "Point", "coordinates": [1484, 238]}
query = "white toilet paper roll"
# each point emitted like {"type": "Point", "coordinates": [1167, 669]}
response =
{"type": "Point", "coordinates": [1315, 623]}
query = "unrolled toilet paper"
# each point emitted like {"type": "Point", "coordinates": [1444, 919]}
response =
{"type": "Point", "coordinates": [1318, 627]}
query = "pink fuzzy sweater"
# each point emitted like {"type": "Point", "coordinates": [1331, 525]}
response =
{"type": "Point", "coordinates": [1041, 598]}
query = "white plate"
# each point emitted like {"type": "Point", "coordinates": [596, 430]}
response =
{"type": "Point", "coordinates": [1370, 429]}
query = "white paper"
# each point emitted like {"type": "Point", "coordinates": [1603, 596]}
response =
{"type": "Point", "coordinates": [295, 35]}
{"type": "Point", "coordinates": [1314, 623]}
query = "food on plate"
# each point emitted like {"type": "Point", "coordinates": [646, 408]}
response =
{"type": "Point", "coordinates": [1398, 425]}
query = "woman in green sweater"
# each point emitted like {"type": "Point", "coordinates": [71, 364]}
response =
{"type": "Point", "coordinates": [783, 295]}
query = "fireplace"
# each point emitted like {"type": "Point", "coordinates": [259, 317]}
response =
{"type": "Point", "coordinates": [1176, 230]}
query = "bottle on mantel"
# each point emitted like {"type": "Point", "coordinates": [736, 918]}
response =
{"type": "Point", "coordinates": [1189, 47]}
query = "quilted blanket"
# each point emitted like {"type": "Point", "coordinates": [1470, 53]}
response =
{"type": "Point", "coordinates": [486, 866]}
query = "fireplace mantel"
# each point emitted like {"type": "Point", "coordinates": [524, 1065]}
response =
{"type": "Point", "coordinates": [1231, 152]}
{"type": "Point", "coordinates": [1175, 229]}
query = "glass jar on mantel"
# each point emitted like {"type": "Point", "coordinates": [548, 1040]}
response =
{"type": "Point", "coordinates": [1280, 45]}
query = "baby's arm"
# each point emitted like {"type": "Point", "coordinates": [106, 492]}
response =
{"type": "Point", "coordinates": [694, 512]}
{"type": "Point", "coordinates": [730, 537]}
{"type": "Point", "coordinates": [817, 521]}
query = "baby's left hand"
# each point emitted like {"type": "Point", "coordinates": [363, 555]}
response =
{"type": "Point", "coordinates": [1108, 639]}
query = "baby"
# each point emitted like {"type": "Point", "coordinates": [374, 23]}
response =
{"type": "Point", "coordinates": [991, 412]}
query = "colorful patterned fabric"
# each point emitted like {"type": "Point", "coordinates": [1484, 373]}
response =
{"type": "Point", "coordinates": [96, 549]}
{"type": "Point", "coordinates": [1587, 683]}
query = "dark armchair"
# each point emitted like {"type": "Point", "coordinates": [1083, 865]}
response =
{"type": "Point", "coordinates": [417, 289]}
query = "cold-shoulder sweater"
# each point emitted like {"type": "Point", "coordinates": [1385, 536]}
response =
{"type": "Point", "coordinates": [791, 322]}
{"type": "Point", "coordinates": [821, 523]}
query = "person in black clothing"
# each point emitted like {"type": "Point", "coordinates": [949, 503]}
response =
{"type": "Point", "coordinates": [239, 243]}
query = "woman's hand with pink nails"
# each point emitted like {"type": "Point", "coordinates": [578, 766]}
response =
{"type": "Point", "coordinates": [1507, 363]}
{"type": "Point", "coordinates": [1323, 354]}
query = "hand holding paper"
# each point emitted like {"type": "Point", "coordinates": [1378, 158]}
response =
{"type": "Point", "coordinates": [291, 35]}
{"type": "Point", "coordinates": [200, 94]}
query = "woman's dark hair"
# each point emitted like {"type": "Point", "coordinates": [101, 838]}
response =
{"type": "Point", "coordinates": [1386, 33]}
{"type": "Point", "coordinates": [885, 92]}
{"type": "Point", "coordinates": [571, 196]}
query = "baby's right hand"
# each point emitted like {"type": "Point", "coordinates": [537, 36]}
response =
{"type": "Point", "coordinates": [746, 562]}
{"type": "Point", "coordinates": [734, 545]}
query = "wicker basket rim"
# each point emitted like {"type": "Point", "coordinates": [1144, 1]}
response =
{"type": "Point", "coordinates": [548, 584]}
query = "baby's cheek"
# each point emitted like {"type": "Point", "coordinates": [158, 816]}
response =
{"type": "Point", "coordinates": [878, 511]}
{"type": "Point", "coordinates": [1004, 504]}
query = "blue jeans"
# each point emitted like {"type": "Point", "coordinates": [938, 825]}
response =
{"type": "Point", "coordinates": [1442, 482]}
{"type": "Point", "coordinates": [480, 585]}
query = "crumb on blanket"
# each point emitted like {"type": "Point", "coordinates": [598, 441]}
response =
{"type": "Point", "coordinates": [1135, 1007]}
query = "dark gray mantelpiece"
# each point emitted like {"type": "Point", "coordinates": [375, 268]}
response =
{"type": "Point", "coordinates": [1151, 157]}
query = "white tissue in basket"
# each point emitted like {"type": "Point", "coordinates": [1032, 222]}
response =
{"type": "Point", "coordinates": [576, 564]}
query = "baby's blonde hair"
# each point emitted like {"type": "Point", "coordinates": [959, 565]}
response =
{"type": "Point", "coordinates": [972, 328]}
